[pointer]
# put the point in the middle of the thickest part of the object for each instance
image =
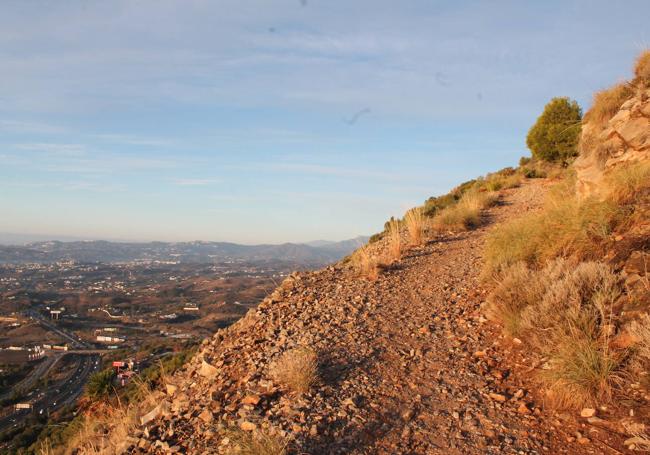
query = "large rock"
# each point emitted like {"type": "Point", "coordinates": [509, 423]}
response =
{"type": "Point", "coordinates": [625, 138]}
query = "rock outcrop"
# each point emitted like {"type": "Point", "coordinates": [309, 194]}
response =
{"type": "Point", "coordinates": [624, 138]}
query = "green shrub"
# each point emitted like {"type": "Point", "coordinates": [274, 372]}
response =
{"type": "Point", "coordinates": [433, 205]}
{"type": "Point", "coordinates": [555, 135]}
{"type": "Point", "coordinates": [524, 160]}
{"type": "Point", "coordinates": [100, 384]}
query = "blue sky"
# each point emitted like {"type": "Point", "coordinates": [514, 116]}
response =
{"type": "Point", "coordinates": [278, 120]}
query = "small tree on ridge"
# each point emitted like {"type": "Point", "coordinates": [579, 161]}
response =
{"type": "Point", "coordinates": [555, 134]}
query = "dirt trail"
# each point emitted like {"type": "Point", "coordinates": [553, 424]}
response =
{"type": "Point", "coordinates": [409, 364]}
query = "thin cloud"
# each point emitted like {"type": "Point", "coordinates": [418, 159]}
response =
{"type": "Point", "coordinates": [134, 140]}
{"type": "Point", "coordinates": [195, 182]}
{"type": "Point", "coordinates": [54, 149]}
{"type": "Point", "coordinates": [30, 127]}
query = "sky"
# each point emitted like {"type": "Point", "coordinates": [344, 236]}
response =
{"type": "Point", "coordinates": [268, 121]}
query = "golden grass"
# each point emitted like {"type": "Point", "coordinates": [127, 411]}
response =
{"type": "Point", "coordinates": [104, 431]}
{"type": "Point", "coordinates": [606, 103]}
{"type": "Point", "coordinates": [466, 214]}
{"type": "Point", "coordinates": [296, 369]}
{"type": "Point", "coordinates": [365, 263]}
{"type": "Point", "coordinates": [642, 67]}
{"type": "Point", "coordinates": [394, 240]}
{"type": "Point", "coordinates": [628, 183]}
{"type": "Point", "coordinates": [256, 442]}
{"type": "Point", "coordinates": [582, 372]}
{"type": "Point", "coordinates": [565, 227]}
{"type": "Point", "coordinates": [496, 182]}
{"type": "Point", "coordinates": [105, 427]}
{"type": "Point", "coordinates": [414, 221]}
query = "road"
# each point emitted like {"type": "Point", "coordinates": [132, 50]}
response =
{"type": "Point", "coordinates": [57, 395]}
{"type": "Point", "coordinates": [75, 341]}
{"type": "Point", "coordinates": [32, 378]}
{"type": "Point", "coordinates": [62, 393]}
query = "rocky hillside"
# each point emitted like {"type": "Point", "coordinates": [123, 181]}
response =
{"type": "Point", "coordinates": [406, 364]}
{"type": "Point", "coordinates": [608, 144]}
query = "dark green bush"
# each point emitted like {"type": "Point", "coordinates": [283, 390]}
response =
{"type": "Point", "coordinates": [555, 135]}
{"type": "Point", "coordinates": [100, 384]}
{"type": "Point", "coordinates": [434, 204]}
{"type": "Point", "coordinates": [524, 160]}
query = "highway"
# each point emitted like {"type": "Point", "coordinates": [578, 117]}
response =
{"type": "Point", "coordinates": [75, 341]}
{"type": "Point", "coordinates": [62, 393]}
{"type": "Point", "coordinates": [32, 378]}
{"type": "Point", "coordinates": [58, 395]}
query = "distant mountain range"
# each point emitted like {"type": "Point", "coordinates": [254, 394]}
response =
{"type": "Point", "coordinates": [316, 253]}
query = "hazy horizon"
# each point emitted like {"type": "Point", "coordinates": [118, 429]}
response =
{"type": "Point", "coordinates": [16, 239]}
{"type": "Point", "coordinates": [270, 122]}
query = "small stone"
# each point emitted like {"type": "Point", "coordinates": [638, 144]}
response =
{"type": "Point", "coordinates": [523, 409]}
{"type": "Point", "coordinates": [171, 389]}
{"type": "Point", "coordinates": [587, 412]}
{"type": "Point", "coordinates": [207, 370]}
{"type": "Point", "coordinates": [498, 397]}
{"type": "Point", "coordinates": [206, 416]}
{"type": "Point", "coordinates": [247, 426]}
{"type": "Point", "coordinates": [251, 399]}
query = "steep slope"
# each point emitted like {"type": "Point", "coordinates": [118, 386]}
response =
{"type": "Point", "coordinates": [408, 364]}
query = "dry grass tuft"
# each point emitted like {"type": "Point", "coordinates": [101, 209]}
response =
{"type": "Point", "coordinates": [394, 240]}
{"type": "Point", "coordinates": [607, 102]}
{"type": "Point", "coordinates": [365, 263]}
{"type": "Point", "coordinates": [296, 369]}
{"type": "Point", "coordinates": [467, 213]}
{"type": "Point", "coordinates": [414, 220]}
{"type": "Point", "coordinates": [626, 184]}
{"type": "Point", "coordinates": [517, 288]}
{"type": "Point", "coordinates": [581, 372]}
{"type": "Point", "coordinates": [642, 68]}
{"type": "Point", "coordinates": [564, 312]}
{"type": "Point", "coordinates": [256, 442]}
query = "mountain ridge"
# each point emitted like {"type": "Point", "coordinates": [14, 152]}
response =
{"type": "Point", "coordinates": [187, 252]}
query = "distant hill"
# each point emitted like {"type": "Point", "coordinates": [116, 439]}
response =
{"type": "Point", "coordinates": [187, 252]}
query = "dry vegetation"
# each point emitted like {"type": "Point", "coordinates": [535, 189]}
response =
{"type": "Point", "coordinates": [296, 369]}
{"type": "Point", "coordinates": [569, 226]}
{"type": "Point", "coordinates": [564, 312]}
{"type": "Point", "coordinates": [414, 221]}
{"type": "Point", "coordinates": [551, 294]}
{"type": "Point", "coordinates": [365, 263]}
{"type": "Point", "coordinates": [394, 240]}
{"type": "Point", "coordinates": [642, 68]}
{"type": "Point", "coordinates": [466, 214]}
{"type": "Point", "coordinates": [256, 442]}
{"type": "Point", "coordinates": [607, 102]}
